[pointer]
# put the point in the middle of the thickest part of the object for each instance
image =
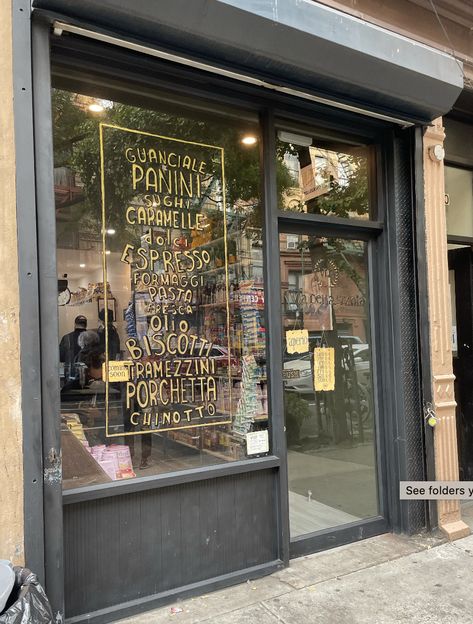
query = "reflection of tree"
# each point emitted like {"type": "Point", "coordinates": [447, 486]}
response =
{"type": "Point", "coordinates": [348, 195]}
{"type": "Point", "coordinates": [77, 147]}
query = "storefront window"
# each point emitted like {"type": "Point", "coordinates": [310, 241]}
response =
{"type": "Point", "coordinates": [325, 178]}
{"type": "Point", "coordinates": [161, 294]}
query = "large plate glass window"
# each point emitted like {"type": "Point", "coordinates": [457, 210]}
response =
{"type": "Point", "coordinates": [160, 287]}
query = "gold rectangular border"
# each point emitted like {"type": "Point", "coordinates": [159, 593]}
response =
{"type": "Point", "coordinates": [102, 126]}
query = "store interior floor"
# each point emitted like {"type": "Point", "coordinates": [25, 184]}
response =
{"type": "Point", "coordinates": [330, 487]}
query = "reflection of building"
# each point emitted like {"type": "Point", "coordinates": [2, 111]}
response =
{"type": "Point", "coordinates": [320, 297]}
{"type": "Point", "coordinates": [315, 172]}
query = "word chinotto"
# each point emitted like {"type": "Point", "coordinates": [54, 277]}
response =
{"type": "Point", "coordinates": [173, 380]}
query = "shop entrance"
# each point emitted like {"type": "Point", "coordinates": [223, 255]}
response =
{"type": "Point", "coordinates": [460, 262]}
{"type": "Point", "coordinates": [459, 213]}
{"type": "Point", "coordinates": [327, 327]}
{"type": "Point", "coordinates": [178, 414]}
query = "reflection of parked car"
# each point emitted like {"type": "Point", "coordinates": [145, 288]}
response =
{"type": "Point", "coordinates": [352, 340]}
{"type": "Point", "coordinates": [217, 353]}
{"type": "Point", "coordinates": [363, 364]}
{"type": "Point", "coordinates": [298, 371]}
{"type": "Point", "coordinates": [298, 374]}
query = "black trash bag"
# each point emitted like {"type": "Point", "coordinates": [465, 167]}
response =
{"type": "Point", "coordinates": [27, 603]}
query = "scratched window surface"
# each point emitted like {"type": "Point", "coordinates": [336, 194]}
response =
{"type": "Point", "coordinates": [162, 342]}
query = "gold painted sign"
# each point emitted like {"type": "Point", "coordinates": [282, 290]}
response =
{"type": "Point", "coordinates": [167, 197]}
{"type": "Point", "coordinates": [324, 369]}
{"type": "Point", "coordinates": [297, 341]}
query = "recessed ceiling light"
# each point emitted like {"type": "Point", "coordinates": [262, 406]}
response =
{"type": "Point", "coordinates": [249, 139]}
{"type": "Point", "coordinates": [95, 107]}
{"type": "Point", "coordinates": [82, 265]}
{"type": "Point", "coordinates": [111, 231]}
{"type": "Point", "coordinates": [107, 252]}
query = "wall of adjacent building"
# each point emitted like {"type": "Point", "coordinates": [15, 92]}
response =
{"type": "Point", "coordinates": [11, 454]}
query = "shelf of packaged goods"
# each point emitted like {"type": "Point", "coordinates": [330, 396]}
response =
{"type": "Point", "coordinates": [214, 241]}
{"type": "Point", "coordinates": [214, 305]}
{"type": "Point", "coordinates": [206, 450]}
{"type": "Point", "coordinates": [231, 265]}
{"type": "Point", "coordinates": [239, 378]}
{"type": "Point", "coordinates": [233, 302]}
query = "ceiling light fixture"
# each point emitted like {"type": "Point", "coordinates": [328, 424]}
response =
{"type": "Point", "coordinates": [82, 265]}
{"type": "Point", "coordinates": [294, 139]}
{"type": "Point", "coordinates": [111, 231]}
{"type": "Point", "coordinates": [249, 139]}
{"type": "Point", "coordinates": [95, 107]}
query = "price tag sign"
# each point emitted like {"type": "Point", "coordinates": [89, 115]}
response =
{"type": "Point", "coordinates": [324, 369]}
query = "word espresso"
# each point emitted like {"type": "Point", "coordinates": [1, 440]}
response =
{"type": "Point", "coordinates": [173, 379]}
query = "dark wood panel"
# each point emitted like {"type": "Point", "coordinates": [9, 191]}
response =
{"type": "Point", "coordinates": [122, 548]}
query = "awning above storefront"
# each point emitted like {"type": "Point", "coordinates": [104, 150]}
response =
{"type": "Point", "coordinates": [298, 44]}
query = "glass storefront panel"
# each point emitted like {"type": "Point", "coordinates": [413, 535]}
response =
{"type": "Point", "coordinates": [160, 288]}
{"type": "Point", "coordinates": [328, 387]}
{"type": "Point", "coordinates": [324, 178]}
{"type": "Point", "coordinates": [459, 201]}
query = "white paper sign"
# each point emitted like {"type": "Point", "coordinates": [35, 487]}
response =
{"type": "Point", "coordinates": [257, 442]}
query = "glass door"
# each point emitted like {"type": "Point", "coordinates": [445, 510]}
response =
{"type": "Point", "coordinates": [329, 221]}
{"type": "Point", "coordinates": [328, 382]}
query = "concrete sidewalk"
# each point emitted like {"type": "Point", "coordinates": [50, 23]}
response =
{"type": "Point", "coordinates": [386, 579]}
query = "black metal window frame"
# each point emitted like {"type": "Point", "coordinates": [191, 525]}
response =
{"type": "Point", "coordinates": [383, 241]}
{"type": "Point", "coordinates": [69, 74]}
{"type": "Point", "coordinates": [369, 231]}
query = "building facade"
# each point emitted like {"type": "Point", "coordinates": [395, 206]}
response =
{"type": "Point", "coordinates": [232, 311]}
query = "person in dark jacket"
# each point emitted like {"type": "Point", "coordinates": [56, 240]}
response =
{"type": "Point", "coordinates": [87, 364]}
{"type": "Point", "coordinates": [69, 345]}
{"type": "Point", "coordinates": [113, 337]}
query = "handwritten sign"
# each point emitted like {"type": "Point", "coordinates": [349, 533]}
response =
{"type": "Point", "coordinates": [257, 442]}
{"type": "Point", "coordinates": [170, 200]}
{"type": "Point", "coordinates": [117, 371]}
{"type": "Point", "coordinates": [297, 341]}
{"type": "Point", "coordinates": [324, 369]}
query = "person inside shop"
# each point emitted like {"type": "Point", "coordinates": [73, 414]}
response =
{"type": "Point", "coordinates": [88, 362]}
{"type": "Point", "coordinates": [113, 337]}
{"type": "Point", "coordinates": [69, 345]}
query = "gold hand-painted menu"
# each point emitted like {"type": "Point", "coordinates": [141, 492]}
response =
{"type": "Point", "coordinates": [175, 194]}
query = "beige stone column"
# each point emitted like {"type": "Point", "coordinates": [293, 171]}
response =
{"type": "Point", "coordinates": [11, 453]}
{"type": "Point", "coordinates": [440, 317]}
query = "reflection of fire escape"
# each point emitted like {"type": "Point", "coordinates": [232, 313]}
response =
{"type": "Point", "coordinates": [67, 191]}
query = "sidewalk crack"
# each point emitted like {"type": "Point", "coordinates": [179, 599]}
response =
{"type": "Point", "coordinates": [275, 614]}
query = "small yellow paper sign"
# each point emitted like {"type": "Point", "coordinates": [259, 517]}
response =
{"type": "Point", "coordinates": [297, 341]}
{"type": "Point", "coordinates": [324, 369]}
{"type": "Point", "coordinates": [117, 371]}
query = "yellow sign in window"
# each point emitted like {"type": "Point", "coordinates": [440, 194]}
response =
{"type": "Point", "coordinates": [117, 371]}
{"type": "Point", "coordinates": [324, 369]}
